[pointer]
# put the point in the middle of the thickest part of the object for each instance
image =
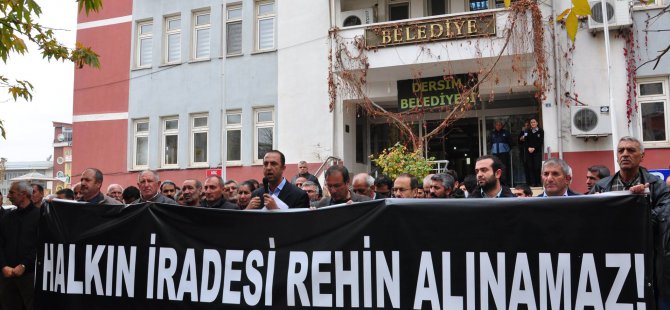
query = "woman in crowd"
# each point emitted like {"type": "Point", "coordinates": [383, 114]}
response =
{"type": "Point", "coordinates": [244, 193]}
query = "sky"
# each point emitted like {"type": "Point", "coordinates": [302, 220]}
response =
{"type": "Point", "coordinates": [29, 124]}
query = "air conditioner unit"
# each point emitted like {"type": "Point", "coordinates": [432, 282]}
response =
{"type": "Point", "coordinates": [618, 15]}
{"type": "Point", "coordinates": [590, 121]}
{"type": "Point", "coordinates": [357, 17]}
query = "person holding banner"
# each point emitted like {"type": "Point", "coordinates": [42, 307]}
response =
{"type": "Point", "coordinates": [149, 182]}
{"type": "Point", "coordinates": [337, 182]}
{"type": "Point", "coordinates": [18, 242]}
{"type": "Point", "coordinates": [489, 170]}
{"type": "Point", "coordinates": [214, 194]}
{"type": "Point", "coordinates": [556, 178]}
{"type": "Point", "coordinates": [636, 179]}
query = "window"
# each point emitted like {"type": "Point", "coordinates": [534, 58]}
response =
{"type": "Point", "coordinates": [265, 25]}
{"type": "Point", "coordinates": [653, 100]}
{"type": "Point", "coordinates": [144, 44]}
{"type": "Point", "coordinates": [234, 31]}
{"type": "Point", "coordinates": [399, 11]}
{"type": "Point", "coordinates": [201, 35]}
{"type": "Point", "coordinates": [478, 5]}
{"type": "Point", "coordinates": [141, 144]}
{"type": "Point", "coordinates": [170, 142]}
{"type": "Point", "coordinates": [172, 40]}
{"type": "Point", "coordinates": [437, 7]}
{"type": "Point", "coordinates": [234, 136]}
{"type": "Point", "coordinates": [199, 129]}
{"type": "Point", "coordinates": [67, 134]}
{"type": "Point", "coordinates": [264, 132]}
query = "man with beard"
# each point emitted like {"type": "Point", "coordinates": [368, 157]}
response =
{"type": "Point", "coordinates": [280, 193]}
{"type": "Point", "coordinates": [190, 191]}
{"type": "Point", "coordinates": [489, 169]}
{"type": "Point", "coordinates": [383, 186]}
{"type": "Point", "coordinates": [441, 185]}
{"type": "Point", "coordinates": [91, 182]}
{"type": "Point", "coordinates": [169, 189]}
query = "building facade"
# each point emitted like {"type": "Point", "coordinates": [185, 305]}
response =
{"type": "Point", "coordinates": [186, 87]}
{"type": "Point", "coordinates": [62, 157]}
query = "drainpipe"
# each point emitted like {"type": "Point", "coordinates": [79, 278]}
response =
{"type": "Point", "coordinates": [615, 131]}
{"type": "Point", "coordinates": [557, 90]}
{"type": "Point", "coordinates": [223, 140]}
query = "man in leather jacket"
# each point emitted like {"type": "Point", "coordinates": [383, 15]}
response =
{"type": "Point", "coordinates": [635, 178]}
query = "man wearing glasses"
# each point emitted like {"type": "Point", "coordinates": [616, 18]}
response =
{"type": "Point", "coordinates": [337, 182]}
{"type": "Point", "coordinates": [405, 186]}
{"type": "Point", "coordinates": [364, 184]}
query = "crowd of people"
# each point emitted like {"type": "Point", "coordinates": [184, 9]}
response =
{"type": "Point", "coordinates": [18, 228]}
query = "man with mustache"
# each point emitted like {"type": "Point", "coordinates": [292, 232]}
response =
{"type": "Point", "coordinates": [635, 178]}
{"type": "Point", "coordinates": [489, 170]}
{"type": "Point", "coordinates": [281, 194]}
{"type": "Point", "coordinates": [190, 191]}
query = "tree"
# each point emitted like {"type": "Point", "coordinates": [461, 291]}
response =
{"type": "Point", "coordinates": [18, 24]}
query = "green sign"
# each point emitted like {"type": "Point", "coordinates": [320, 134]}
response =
{"type": "Point", "coordinates": [435, 92]}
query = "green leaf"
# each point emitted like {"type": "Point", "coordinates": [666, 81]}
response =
{"type": "Point", "coordinates": [581, 7]}
{"type": "Point", "coordinates": [571, 25]}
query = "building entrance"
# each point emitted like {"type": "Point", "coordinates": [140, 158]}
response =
{"type": "Point", "coordinates": [467, 138]}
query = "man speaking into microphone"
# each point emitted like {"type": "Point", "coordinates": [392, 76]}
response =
{"type": "Point", "coordinates": [276, 192]}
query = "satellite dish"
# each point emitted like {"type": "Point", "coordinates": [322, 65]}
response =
{"type": "Point", "coordinates": [61, 137]}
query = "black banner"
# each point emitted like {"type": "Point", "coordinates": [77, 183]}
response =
{"type": "Point", "coordinates": [535, 253]}
{"type": "Point", "coordinates": [435, 92]}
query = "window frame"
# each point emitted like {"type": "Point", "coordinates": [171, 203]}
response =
{"type": "Point", "coordinates": [396, 3]}
{"type": "Point", "coordinates": [143, 134]}
{"type": "Point", "coordinates": [665, 98]}
{"type": "Point", "coordinates": [194, 130]}
{"type": "Point", "coordinates": [257, 20]}
{"type": "Point", "coordinates": [138, 43]}
{"type": "Point", "coordinates": [258, 125]}
{"type": "Point", "coordinates": [166, 42]}
{"type": "Point", "coordinates": [164, 134]}
{"type": "Point", "coordinates": [234, 21]}
{"type": "Point", "coordinates": [233, 127]}
{"type": "Point", "coordinates": [194, 34]}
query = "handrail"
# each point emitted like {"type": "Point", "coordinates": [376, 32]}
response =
{"type": "Point", "coordinates": [320, 170]}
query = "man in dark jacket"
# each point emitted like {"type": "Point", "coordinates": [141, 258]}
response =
{"type": "Point", "coordinates": [149, 184]}
{"type": "Point", "coordinates": [337, 182]}
{"type": "Point", "coordinates": [214, 197]}
{"type": "Point", "coordinates": [18, 242]}
{"type": "Point", "coordinates": [91, 182]}
{"type": "Point", "coordinates": [635, 178]}
{"type": "Point", "coordinates": [303, 171]}
{"type": "Point", "coordinates": [280, 193]}
{"type": "Point", "coordinates": [489, 170]}
{"type": "Point", "coordinates": [556, 178]}
{"type": "Point", "coordinates": [500, 142]}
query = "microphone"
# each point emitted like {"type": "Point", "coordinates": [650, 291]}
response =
{"type": "Point", "coordinates": [266, 188]}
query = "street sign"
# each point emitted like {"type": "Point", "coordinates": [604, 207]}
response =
{"type": "Point", "coordinates": [211, 172]}
{"type": "Point", "coordinates": [663, 174]}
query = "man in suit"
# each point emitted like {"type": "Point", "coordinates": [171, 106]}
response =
{"type": "Point", "coordinates": [556, 178]}
{"type": "Point", "coordinates": [281, 194]}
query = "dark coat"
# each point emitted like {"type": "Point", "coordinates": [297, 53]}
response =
{"type": "Point", "coordinates": [534, 140]}
{"type": "Point", "coordinates": [506, 193]}
{"type": "Point", "coordinates": [660, 215]}
{"type": "Point", "coordinates": [159, 198]}
{"type": "Point", "coordinates": [18, 237]}
{"type": "Point", "coordinates": [328, 201]}
{"type": "Point", "coordinates": [570, 193]}
{"type": "Point", "coordinates": [291, 195]}
{"type": "Point", "coordinates": [220, 204]}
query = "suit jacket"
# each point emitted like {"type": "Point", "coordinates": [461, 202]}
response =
{"type": "Point", "coordinates": [570, 193]}
{"type": "Point", "coordinates": [291, 195]}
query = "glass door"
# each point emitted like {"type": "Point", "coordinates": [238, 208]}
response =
{"type": "Point", "coordinates": [458, 143]}
{"type": "Point", "coordinates": [514, 125]}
